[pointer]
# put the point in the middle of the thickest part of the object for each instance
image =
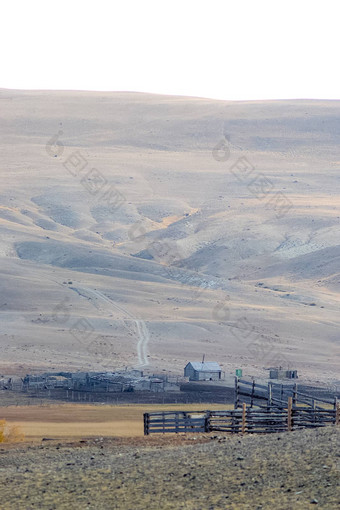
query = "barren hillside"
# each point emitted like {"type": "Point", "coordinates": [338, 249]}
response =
{"type": "Point", "coordinates": [145, 230]}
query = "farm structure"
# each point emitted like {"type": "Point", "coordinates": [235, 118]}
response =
{"type": "Point", "coordinates": [106, 382]}
{"type": "Point", "coordinates": [258, 409]}
{"type": "Point", "coordinates": [283, 374]}
{"type": "Point", "coordinates": [203, 371]}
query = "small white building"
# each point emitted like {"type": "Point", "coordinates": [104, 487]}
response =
{"type": "Point", "coordinates": [203, 371]}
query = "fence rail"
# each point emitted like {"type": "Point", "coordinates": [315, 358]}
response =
{"type": "Point", "coordinates": [258, 409]}
{"type": "Point", "coordinates": [276, 394]}
{"type": "Point", "coordinates": [175, 421]}
{"type": "Point", "coordinates": [246, 420]}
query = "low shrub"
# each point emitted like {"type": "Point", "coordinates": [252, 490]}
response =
{"type": "Point", "coordinates": [10, 433]}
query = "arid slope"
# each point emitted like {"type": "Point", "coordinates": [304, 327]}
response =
{"type": "Point", "coordinates": [144, 230]}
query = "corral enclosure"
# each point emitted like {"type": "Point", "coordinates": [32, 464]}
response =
{"type": "Point", "coordinates": [119, 381]}
{"type": "Point", "coordinates": [265, 409]}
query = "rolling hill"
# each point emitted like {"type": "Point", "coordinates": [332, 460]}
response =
{"type": "Point", "coordinates": [143, 231]}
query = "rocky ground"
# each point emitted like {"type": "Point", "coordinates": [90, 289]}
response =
{"type": "Point", "coordinates": [284, 471]}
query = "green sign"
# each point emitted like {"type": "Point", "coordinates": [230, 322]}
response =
{"type": "Point", "coordinates": [239, 372]}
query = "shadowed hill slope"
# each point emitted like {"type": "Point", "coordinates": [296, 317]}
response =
{"type": "Point", "coordinates": [145, 230]}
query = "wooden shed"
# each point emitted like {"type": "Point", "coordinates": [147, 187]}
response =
{"type": "Point", "coordinates": [203, 371]}
{"type": "Point", "coordinates": [277, 373]}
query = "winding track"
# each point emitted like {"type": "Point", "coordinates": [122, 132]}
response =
{"type": "Point", "coordinates": [142, 330]}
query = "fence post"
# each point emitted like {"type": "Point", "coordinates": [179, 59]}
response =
{"type": "Point", "coordinates": [337, 413]}
{"type": "Point", "coordinates": [236, 403]}
{"type": "Point", "coordinates": [244, 410]}
{"type": "Point", "coordinates": [335, 407]}
{"type": "Point", "coordinates": [146, 424]}
{"type": "Point", "coordinates": [314, 408]}
{"type": "Point", "coordinates": [290, 413]}
{"type": "Point", "coordinates": [207, 422]}
{"type": "Point", "coordinates": [270, 395]}
{"type": "Point", "coordinates": [252, 394]}
{"type": "Point", "coordinates": [176, 421]}
{"type": "Point", "coordinates": [295, 395]}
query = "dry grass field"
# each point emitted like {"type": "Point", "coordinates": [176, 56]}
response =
{"type": "Point", "coordinates": [97, 458]}
{"type": "Point", "coordinates": [78, 421]}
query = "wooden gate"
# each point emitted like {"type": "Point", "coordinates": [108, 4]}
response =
{"type": "Point", "coordinates": [176, 421]}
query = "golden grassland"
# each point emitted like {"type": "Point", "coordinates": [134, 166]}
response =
{"type": "Point", "coordinates": [10, 433]}
{"type": "Point", "coordinates": [77, 421]}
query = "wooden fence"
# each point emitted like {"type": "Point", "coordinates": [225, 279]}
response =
{"type": "Point", "coordinates": [276, 395]}
{"type": "Point", "coordinates": [246, 420]}
{"type": "Point", "coordinates": [175, 421]}
{"type": "Point", "coordinates": [258, 409]}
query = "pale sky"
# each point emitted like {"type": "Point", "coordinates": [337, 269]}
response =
{"type": "Point", "coordinates": [235, 50]}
